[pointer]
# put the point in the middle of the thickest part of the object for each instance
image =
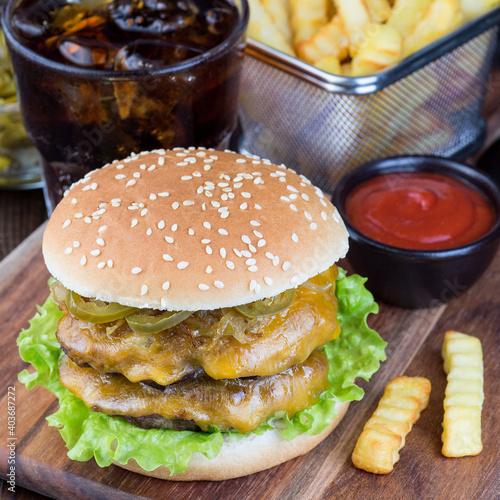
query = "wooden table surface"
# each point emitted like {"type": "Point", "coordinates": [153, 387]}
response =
{"type": "Point", "coordinates": [415, 338]}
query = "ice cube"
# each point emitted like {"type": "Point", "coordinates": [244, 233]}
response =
{"type": "Point", "coordinates": [152, 54]}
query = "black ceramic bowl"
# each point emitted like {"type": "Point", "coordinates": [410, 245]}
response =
{"type": "Point", "coordinates": [419, 278]}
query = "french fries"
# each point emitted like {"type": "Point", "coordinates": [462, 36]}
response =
{"type": "Point", "coordinates": [441, 17]}
{"type": "Point", "coordinates": [307, 17]}
{"type": "Point", "coordinates": [463, 364]}
{"type": "Point", "coordinates": [381, 50]}
{"type": "Point", "coordinates": [357, 37]}
{"type": "Point", "coordinates": [330, 40]}
{"type": "Point", "coordinates": [262, 28]}
{"type": "Point", "coordinates": [383, 436]}
{"type": "Point", "coordinates": [355, 18]}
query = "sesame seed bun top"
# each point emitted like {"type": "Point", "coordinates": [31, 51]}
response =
{"type": "Point", "coordinates": [191, 229]}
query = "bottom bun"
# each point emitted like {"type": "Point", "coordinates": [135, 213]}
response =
{"type": "Point", "coordinates": [245, 456]}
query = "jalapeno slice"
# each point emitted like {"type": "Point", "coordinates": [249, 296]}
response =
{"type": "Point", "coordinates": [95, 311]}
{"type": "Point", "coordinates": [145, 322]}
{"type": "Point", "coordinates": [266, 307]}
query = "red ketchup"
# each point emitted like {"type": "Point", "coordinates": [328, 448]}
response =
{"type": "Point", "coordinates": [419, 211]}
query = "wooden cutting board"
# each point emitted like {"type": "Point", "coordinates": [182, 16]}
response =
{"type": "Point", "coordinates": [415, 339]}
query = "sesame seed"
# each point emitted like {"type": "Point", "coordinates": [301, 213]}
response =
{"type": "Point", "coordinates": [252, 285]}
{"type": "Point", "coordinates": [245, 194]}
{"type": "Point", "coordinates": [293, 207]}
{"type": "Point", "coordinates": [295, 238]}
{"type": "Point", "coordinates": [161, 160]}
{"type": "Point", "coordinates": [152, 167]}
{"type": "Point", "coordinates": [167, 257]}
{"type": "Point", "coordinates": [169, 239]}
{"type": "Point", "coordinates": [166, 285]}
{"type": "Point", "coordinates": [175, 205]}
{"type": "Point", "coordinates": [163, 303]}
{"type": "Point", "coordinates": [203, 286]}
{"type": "Point", "coordinates": [255, 223]}
{"type": "Point", "coordinates": [86, 188]}
{"type": "Point", "coordinates": [246, 239]}
{"type": "Point", "coordinates": [102, 229]}
{"type": "Point", "coordinates": [294, 279]}
{"type": "Point", "coordinates": [83, 260]}
{"type": "Point", "coordinates": [205, 241]}
{"type": "Point", "coordinates": [190, 232]}
{"type": "Point", "coordinates": [223, 232]}
{"type": "Point", "coordinates": [74, 201]}
{"type": "Point", "coordinates": [250, 262]}
{"type": "Point", "coordinates": [230, 264]}
{"type": "Point", "coordinates": [152, 196]}
{"type": "Point", "coordinates": [257, 207]}
{"type": "Point", "coordinates": [182, 164]}
{"type": "Point", "coordinates": [144, 289]}
{"type": "Point", "coordinates": [164, 194]}
{"type": "Point", "coordinates": [308, 215]}
{"type": "Point", "coordinates": [286, 265]}
{"type": "Point", "coordinates": [241, 160]}
{"type": "Point", "coordinates": [238, 185]}
{"type": "Point", "coordinates": [67, 222]}
{"type": "Point", "coordinates": [268, 281]}
{"type": "Point", "coordinates": [293, 196]}
{"type": "Point", "coordinates": [237, 252]}
{"type": "Point", "coordinates": [88, 220]}
{"type": "Point", "coordinates": [336, 216]}
{"type": "Point", "coordinates": [323, 215]}
{"type": "Point", "coordinates": [224, 197]}
{"type": "Point", "coordinates": [207, 225]}
{"type": "Point", "coordinates": [131, 182]}
{"type": "Point", "coordinates": [291, 188]}
{"type": "Point", "coordinates": [182, 265]}
{"type": "Point", "coordinates": [252, 248]}
{"type": "Point", "coordinates": [257, 233]}
{"type": "Point", "coordinates": [253, 269]}
{"type": "Point", "coordinates": [134, 223]}
{"type": "Point", "coordinates": [208, 249]}
{"type": "Point", "coordinates": [218, 284]}
{"type": "Point", "coordinates": [76, 244]}
{"type": "Point", "coordinates": [244, 206]}
{"type": "Point", "coordinates": [261, 243]}
{"type": "Point", "coordinates": [206, 167]}
{"type": "Point", "coordinates": [188, 203]}
{"type": "Point", "coordinates": [186, 177]}
{"type": "Point", "coordinates": [100, 242]}
{"type": "Point", "coordinates": [215, 204]}
{"type": "Point", "coordinates": [137, 175]}
{"type": "Point", "coordinates": [161, 224]}
{"type": "Point", "coordinates": [285, 198]}
{"type": "Point", "coordinates": [101, 265]}
{"type": "Point", "coordinates": [313, 226]}
{"type": "Point", "coordinates": [174, 227]}
{"type": "Point", "coordinates": [323, 202]}
{"type": "Point", "coordinates": [68, 250]}
{"type": "Point", "coordinates": [209, 269]}
{"type": "Point", "coordinates": [305, 197]}
{"type": "Point", "coordinates": [136, 270]}
{"type": "Point", "coordinates": [110, 263]}
{"type": "Point", "coordinates": [224, 215]}
{"type": "Point", "coordinates": [95, 252]}
{"type": "Point", "coordinates": [269, 255]}
{"type": "Point", "coordinates": [120, 166]}
{"type": "Point", "coordinates": [246, 253]}
{"type": "Point", "coordinates": [149, 231]}
{"type": "Point", "coordinates": [276, 260]}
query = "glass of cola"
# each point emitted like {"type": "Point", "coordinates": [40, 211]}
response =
{"type": "Point", "coordinates": [100, 79]}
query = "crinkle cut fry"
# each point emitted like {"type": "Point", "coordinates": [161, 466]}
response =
{"type": "Point", "coordinates": [383, 436]}
{"type": "Point", "coordinates": [463, 364]}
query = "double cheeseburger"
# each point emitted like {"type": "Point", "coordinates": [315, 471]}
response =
{"type": "Point", "coordinates": [198, 327]}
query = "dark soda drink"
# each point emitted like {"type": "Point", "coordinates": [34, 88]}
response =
{"type": "Point", "coordinates": [101, 79]}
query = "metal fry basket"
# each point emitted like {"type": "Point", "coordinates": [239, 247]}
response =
{"type": "Point", "coordinates": [324, 125]}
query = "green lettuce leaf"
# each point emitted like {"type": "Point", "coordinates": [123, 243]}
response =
{"type": "Point", "coordinates": [356, 353]}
